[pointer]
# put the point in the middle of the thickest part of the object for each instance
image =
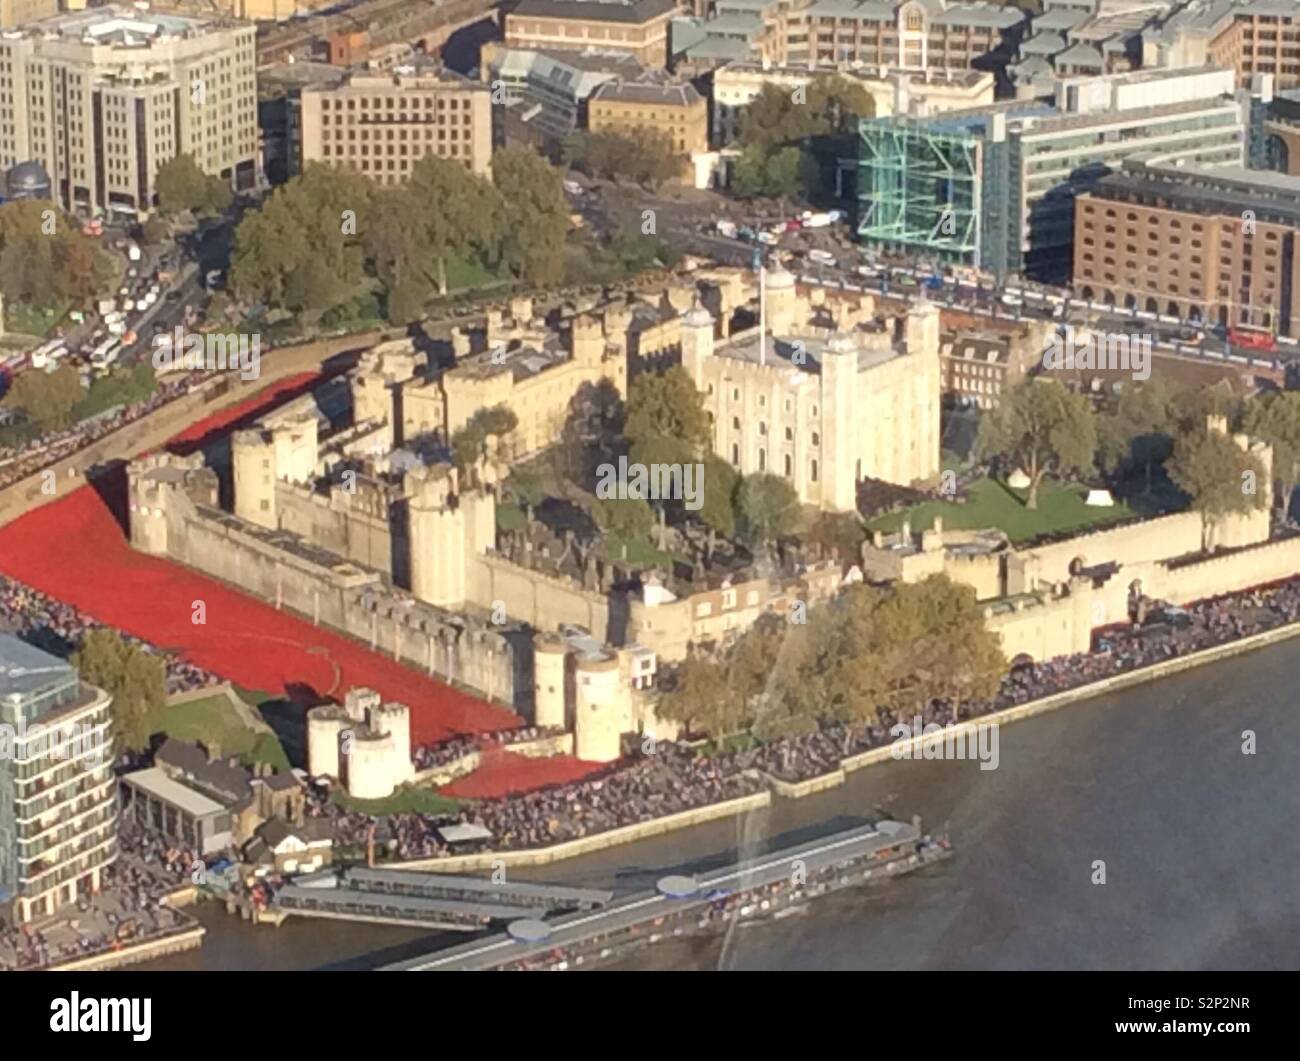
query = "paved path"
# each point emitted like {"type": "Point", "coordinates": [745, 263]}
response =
{"type": "Point", "coordinates": [154, 430]}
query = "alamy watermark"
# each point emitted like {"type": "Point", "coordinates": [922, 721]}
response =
{"type": "Point", "coordinates": [632, 481]}
{"type": "Point", "coordinates": [1107, 350]}
{"type": "Point", "coordinates": [37, 741]}
{"type": "Point", "coordinates": [921, 740]}
{"type": "Point", "coordinates": [210, 352]}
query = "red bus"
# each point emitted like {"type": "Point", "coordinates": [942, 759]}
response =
{"type": "Point", "coordinates": [1252, 339]}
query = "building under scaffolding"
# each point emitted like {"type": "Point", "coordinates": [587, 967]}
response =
{"type": "Point", "coordinates": [920, 190]}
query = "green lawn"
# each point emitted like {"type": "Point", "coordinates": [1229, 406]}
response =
{"type": "Point", "coordinates": [993, 504]}
{"type": "Point", "coordinates": [509, 517]}
{"type": "Point", "coordinates": [462, 275]}
{"type": "Point", "coordinates": [213, 722]}
{"type": "Point", "coordinates": [403, 801]}
{"type": "Point", "coordinates": [31, 321]}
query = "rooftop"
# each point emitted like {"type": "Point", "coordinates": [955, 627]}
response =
{"type": "Point", "coordinates": [159, 785]}
{"type": "Point", "coordinates": [25, 670]}
{"type": "Point", "coordinates": [634, 11]}
{"type": "Point", "coordinates": [120, 25]}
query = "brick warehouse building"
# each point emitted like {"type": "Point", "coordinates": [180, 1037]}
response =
{"type": "Point", "coordinates": [1210, 244]}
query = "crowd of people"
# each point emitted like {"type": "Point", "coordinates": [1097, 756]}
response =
{"type": "Point", "coordinates": [52, 624]}
{"type": "Point", "coordinates": [18, 462]}
{"type": "Point", "coordinates": [126, 910]}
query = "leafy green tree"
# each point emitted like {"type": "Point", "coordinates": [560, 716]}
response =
{"type": "Point", "coordinates": [45, 261]}
{"type": "Point", "coordinates": [701, 699]}
{"type": "Point", "coordinates": [302, 251]}
{"type": "Point", "coordinates": [718, 510]}
{"type": "Point", "coordinates": [459, 214]}
{"type": "Point", "coordinates": [48, 398]}
{"type": "Point", "coordinates": [529, 488]}
{"type": "Point", "coordinates": [181, 185]}
{"type": "Point", "coordinates": [1219, 477]}
{"type": "Point", "coordinates": [135, 678]}
{"type": "Point", "coordinates": [1275, 418]}
{"type": "Point", "coordinates": [1140, 430]}
{"type": "Point", "coordinates": [666, 424]}
{"type": "Point", "coordinates": [627, 520]}
{"type": "Point", "coordinates": [1040, 426]}
{"type": "Point", "coordinates": [642, 155]}
{"type": "Point", "coordinates": [768, 507]}
{"type": "Point", "coordinates": [535, 214]}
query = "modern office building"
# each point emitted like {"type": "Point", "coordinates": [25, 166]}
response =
{"type": "Point", "coordinates": [382, 126]}
{"type": "Point", "coordinates": [995, 187]}
{"type": "Point", "coordinates": [58, 801]}
{"type": "Point", "coordinates": [551, 89]}
{"type": "Point", "coordinates": [1199, 243]}
{"type": "Point", "coordinates": [103, 97]}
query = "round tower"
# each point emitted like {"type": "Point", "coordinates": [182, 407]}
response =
{"type": "Point", "coordinates": [325, 725]}
{"type": "Point", "coordinates": [549, 655]}
{"type": "Point", "coordinates": [394, 720]}
{"type": "Point", "coordinates": [782, 301]}
{"type": "Point", "coordinates": [370, 766]}
{"type": "Point", "coordinates": [252, 462]}
{"type": "Point", "coordinates": [697, 342]}
{"type": "Point", "coordinates": [597, 713]}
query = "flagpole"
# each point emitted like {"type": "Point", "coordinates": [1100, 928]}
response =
{"type": "Point", "coordinates": [762, 312]}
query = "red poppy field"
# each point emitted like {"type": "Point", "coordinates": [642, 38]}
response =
{"type": "Point", "coordinates": [75, 551]}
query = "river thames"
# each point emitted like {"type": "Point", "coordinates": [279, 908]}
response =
{"type": "Point", "coordinates": [1198, 842]}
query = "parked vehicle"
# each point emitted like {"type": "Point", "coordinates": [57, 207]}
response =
{"type": "Point", "coordinates": [821, 257]}
{"type": "Point", "coordinates": [726, 228]}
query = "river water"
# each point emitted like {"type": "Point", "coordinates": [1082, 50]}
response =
{"type": "Point", "coordinates": [1199, 843]}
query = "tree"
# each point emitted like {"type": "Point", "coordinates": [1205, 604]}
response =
{"type": "Point", "coordinates": [592, 434]}
{"type": "Point", "coordinates": [1040, 426]}
{"type": "Point", "coordinates": [1140, 431]}
{"type": "Point", "coordinates": [182, 186]}
{"type": "Point", "coordinates": [529, 488]}
{"type": "Point", "coordinates": [782, 133]}
{"type": "Point", "coordinates": [1276, 419]}
{"type": "Point", "coordinates": [457, 214]}
{"type": "Point", "coordinates": [768, 506]}
{"type": "Point", "coordinates": [302, 252]}
{"type": "Point", "coordinates": [45, 261]}
{"type": "Point", "coordinates": [700, 697]}
{"type": "Point", "coordinates": [643, 155]}
{"type": "Point", "coordinates": [718, 511]}
{"type": "Point", "coordinates": [1221, 478]}
{"type": "Point", "coordinates": [840, 534]}
{"type": "Point", "coordinates": [134, 677]}
{"type": "Point", "coordinates": [48, 398]}
{"type": "Point", "coordinates": [535, 213]}
{"type": "Point", "coordinates": [626, 519]}
{"type": "Point", "coordinates": [667, 405]}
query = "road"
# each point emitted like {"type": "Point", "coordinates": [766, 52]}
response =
{"type": "Point", "coordinates": [685, 217]}
{"type": "Point", "coordinates": [152, 431]}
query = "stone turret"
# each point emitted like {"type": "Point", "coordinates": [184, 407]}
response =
{"type": "Point", "coordinates": [253, 469]}
{"type": "Point", "coordinates": [697, 342]}
{"type": "Point", "coordinates": [448, 529]}
{"type": "Point", "coordinates": [549, 666]}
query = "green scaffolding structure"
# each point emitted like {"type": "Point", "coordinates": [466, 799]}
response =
{"type": "Point", "coordinates": [919, 190]}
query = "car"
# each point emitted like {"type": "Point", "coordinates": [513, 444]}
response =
{"type": "Point", "coordinates": [172, 296]}
{"type": "Point", "coordinates": [821, 257]}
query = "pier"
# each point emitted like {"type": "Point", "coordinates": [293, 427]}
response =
{"type": "Point", "coordinates": [872, 852]}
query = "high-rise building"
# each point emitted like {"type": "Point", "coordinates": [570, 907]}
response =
{"type": "Point", "coordinates": [103, 97]}
{"type": "Point", "coordinates": [382, 126]}
{"type": "Point", "coordinates": [994, 187]}
{"type": "Point", "coordinates": [58, 801]}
